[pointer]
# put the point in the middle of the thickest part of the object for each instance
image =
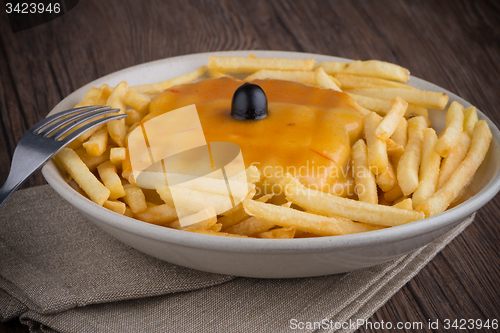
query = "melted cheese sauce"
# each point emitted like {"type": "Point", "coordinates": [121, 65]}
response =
{"type": "Point", "coordinates": [309, 131]}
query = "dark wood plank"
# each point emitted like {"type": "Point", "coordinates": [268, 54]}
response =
{"type": "Point", "coordinates": [13, 326]}
{"type": "Point", "coordinates": [454, 44]}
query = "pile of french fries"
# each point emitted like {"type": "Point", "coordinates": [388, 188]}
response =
{"type": "Point", "coordinates": [401, 170]}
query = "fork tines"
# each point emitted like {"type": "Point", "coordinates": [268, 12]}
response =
{"type": "Point", "coordinates": [57, 125]}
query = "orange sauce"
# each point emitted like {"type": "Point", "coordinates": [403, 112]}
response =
{"type": "Point", "coordinates": [308, 132]}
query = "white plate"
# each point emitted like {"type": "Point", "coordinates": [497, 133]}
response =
{"type": "Point", "coordinates": [272, 258]}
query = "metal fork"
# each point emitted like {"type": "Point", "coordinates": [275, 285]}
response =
{"type": "Point", "coordinates": [45, 139]}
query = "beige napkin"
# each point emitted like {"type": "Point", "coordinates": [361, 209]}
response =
{"type": "Point", "coordinates": [60, 273]}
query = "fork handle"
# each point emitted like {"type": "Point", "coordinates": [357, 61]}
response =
{"type": "Point", "coordinates": [28, 164]}
{"type": "Point", "coordinates": [10, 186]}
{"type": "Point", "coordinates": [24, 164]}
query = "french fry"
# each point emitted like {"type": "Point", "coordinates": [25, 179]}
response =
{"type": "Point", "coordinates": [415, 111]}
{"type": "Point", "coordinates": [239, 206]}
{"type": "Point", "coordinates": [203, 219]}
{"type": "Point", "coordinates": [454, 126]}
{"type": "Point", "coordinates": [253, 174]}
{"type": "Point", "coordinates": [325, 81]}
{"type": "Point", "coordinates": [128, 212]}
{"type": "Point", "coordinates": [386, 180]}
{"type": "Point", "coordinates": [106, 91]}
{"type": "Point", "coordinates": [133, 117]}
{"type": "Point", "coordinates": [405, 203]}
{"type": "Point", "coordinates": [155, 88]}
{"type": "Point", "coordinates": [393, 148]}
{"type": "Point", "coordinates": [152, 197]}
{"type": "Point", "coordinates": [382, 106]}
{"type": "Point", "coordinates": [371, 103]}
{"type": "Point", "coordinates": [344, 188]}
{"type": "Point", "coordinates": [398, 200]}
{"type": "Point", "coordinates": [230, 220]}
{"type": "Point", "coordinates": [454, 158]}
{"type": "Point", "coordinates": [288, 217]}
{"type": "Point", "coordinates": [394, 193]}
{"type": "Point", "coordinates": [429, 168]}
{"type": "Point", "coordinates": [378, 161]}
{"type": "Point", "coordinates": [400, 135]}
{"type": "Point", "coordinates": [408, 166]}
{"type": "Point", "coordinates": [250, 65]}
{"type": "Point", "coordinates": [92, 161]}
{"type": "Point", "coordinates": [137, 101]}
{"type": "Point", "coordinates": [217, 189]}
{"type": "Point", "coordinates": [350, 81]}
{"type": "Point", "coordinates": [397, 142]}
{"type": "Point", "coordinates": [470, 119]}
{"type": "Point", "coordinates": [77, 188]}
{"type": "Point", "coordinates": [134, 198]}
{"type": "Point", "coordinates": [92, 97]}
{"type": "Point", "coordinates": [96, 144]}
{"type": "Point", "coordinates": [116, 206]}
{"type": "Point", "coordinates": [110, 178]}
{"type": "Point", "coordinates": [295, 76]}
{"type": "Point", "coordinates": [381, 199]}
{"type": "Point", "coordinates": [372, 68]}
{"type": "Point", "coordinates": [428, 99]}
{"type": "Point", "coordinates": [117, 155]}
{"type": "Point", "coordinates": [250, 227]}
{"type": "Point", "coordinates": [215, 227]}
{"type": "Point", "coordinates": [364, 111]}
{"type": "Point", "coordinates": [71, 162]}
{"type": "Point", "coordinates": [237, 213]}
{"type": "Point", "coordinates": [303, 234]}
{"type": "Point", "coordinates": [160, 214]}
{"type": "Point", "coordinates": [380, 69]}
{"type": "Point", "coordinates": [391, 120]}
{"type": "Point", "coordinates": [480, 143]}
{"type": "Point", "coordinates": [330, 205]}
{"type": "Point", "coordinates": [127, 172]}
{"type": "Point", "coordinates": [116, 128]}
{"type": "Point", "coordinates": [214, 74]}
{"type": "Point", "coordinates": [166, 196]}
{"type": "Point", "coordinates": [366, 187]}
{"type": "Point", "coordinates": [190, 200]}
{"type": "Point", "coordinates": [214, 233]}
{"type": "Point", "coordinates": [75, 144]}
{"type": "Point", "coordinates": [332, 67]}
{"type": "Point", "coordinates": [279, 233]}
{"type": "Point", "coordinates": [218, 186]}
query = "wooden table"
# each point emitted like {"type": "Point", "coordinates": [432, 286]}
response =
{"type": "Point", "coordinates": [454, 44]}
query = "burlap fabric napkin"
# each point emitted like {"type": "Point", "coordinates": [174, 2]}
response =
{"type": "Point", "coordinates": [60, 273]}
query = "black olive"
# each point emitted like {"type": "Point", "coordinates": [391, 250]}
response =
{"type": "Point", "coordinates": [249, 103]}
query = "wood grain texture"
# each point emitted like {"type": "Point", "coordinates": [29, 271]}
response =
{"type": "Point", "coordinates": [454, 44]}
